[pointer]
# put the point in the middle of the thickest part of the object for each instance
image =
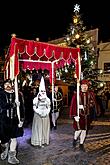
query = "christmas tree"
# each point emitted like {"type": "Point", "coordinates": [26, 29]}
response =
{"type": "Point", "coordinates": [78, 36]}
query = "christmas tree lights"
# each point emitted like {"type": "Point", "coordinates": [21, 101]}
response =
{"type": "Point", "coordinates": [78, 36]}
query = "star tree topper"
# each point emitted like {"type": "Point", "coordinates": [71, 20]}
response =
{"type": "Point", "coordinates": [76, 8]}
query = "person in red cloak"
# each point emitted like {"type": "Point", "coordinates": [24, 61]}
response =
{"type": "Point", "coordinates": [81, 122]}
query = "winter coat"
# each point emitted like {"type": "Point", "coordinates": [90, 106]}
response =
{"type": "Point", "coordinates": [84, 114]}
{"type": "Point", "coordinates": [8, 116]}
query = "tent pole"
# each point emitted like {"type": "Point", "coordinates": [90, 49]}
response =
{"type": "Point", "coordinates": [53, 80]}
{"type": "Point", "coordinates": [17, 97]}
{"type": "Point", "coordinates": [78, 83]}
{"type": "Point", "coordinates": [53, 85]}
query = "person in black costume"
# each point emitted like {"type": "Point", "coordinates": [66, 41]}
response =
{"type": "Point", "coordinates": [10, 126]}
{"type": "Point", "coordinates": [55, 110]}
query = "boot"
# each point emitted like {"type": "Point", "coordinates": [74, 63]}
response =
{"type": "Point", "coordinates": [5, 151]}
{"type": "Point", "coordinates": [55, 127]}
{"type": "Point", "coordinates": [74, 143]}
{"type": "Point", "coordinates": [12, 158]}
{"type": "Point", "coordinates": [82, 147]}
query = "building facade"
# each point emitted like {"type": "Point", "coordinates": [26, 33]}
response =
{"type": "Point", "coordinates": [104, 61]}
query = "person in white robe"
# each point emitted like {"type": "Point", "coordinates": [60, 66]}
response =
{"type": "Point", "coordinates": [41, 121]}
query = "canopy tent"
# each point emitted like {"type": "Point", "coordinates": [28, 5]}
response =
{"type": "Point", "coordinates": [26, 53]}
{"type": "Point", "coordinates": [30, 54]}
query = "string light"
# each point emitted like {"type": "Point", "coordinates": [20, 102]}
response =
{"type": "Point", "coordinates": [78, 37]}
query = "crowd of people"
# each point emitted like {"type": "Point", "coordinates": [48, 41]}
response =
{"type": "Point", "coordinates": [41, 109]}
{"type": "Point", "coordinates": [32, 107]}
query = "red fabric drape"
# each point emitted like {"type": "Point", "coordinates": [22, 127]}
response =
{"type": "Point", "coordinates": [28, 53]}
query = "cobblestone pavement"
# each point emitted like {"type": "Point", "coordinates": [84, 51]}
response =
{"type": "Point", "coordinates": [60, 151]}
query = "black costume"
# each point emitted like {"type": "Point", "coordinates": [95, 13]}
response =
{"type": "Point", "coordinates": [9, 118]}
{"type": "Point", "coordinates": [55, 111]}
{"type": "Point", "coordinates": [10, 126]}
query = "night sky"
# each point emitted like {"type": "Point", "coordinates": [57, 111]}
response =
{"type": "Point", "coordinates": [50, 19]}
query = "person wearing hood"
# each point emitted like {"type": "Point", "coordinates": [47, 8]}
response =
{"type": "Point", "coordinates": [41, 121]}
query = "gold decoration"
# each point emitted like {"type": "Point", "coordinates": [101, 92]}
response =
{"type": "Point", "coordinates": [13, 35]}
{"type": "Point", "coordinates": [77, 36]}
{"type": "Point", "coordinates": [75, 20]}
{"type": "Point", "coordinates": [88, 41]}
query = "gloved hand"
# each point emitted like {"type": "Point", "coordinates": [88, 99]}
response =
{"type": "Point", "coordinates": [77, 118]}
{"type": "Point", "coordinates": [55, 99]}
{"type": "Point", "coordinates": [17, 103]}
{"type": "Point", "coordinates": [81, 107]}
{"type": "Point", "coordinates": [20, 124]}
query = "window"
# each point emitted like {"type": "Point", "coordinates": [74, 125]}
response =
{"type": "Point", "coordinates": [107, 67]}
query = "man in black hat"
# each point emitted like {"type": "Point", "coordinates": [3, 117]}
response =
{"type": "Point", "coordinates": [11, 127]}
